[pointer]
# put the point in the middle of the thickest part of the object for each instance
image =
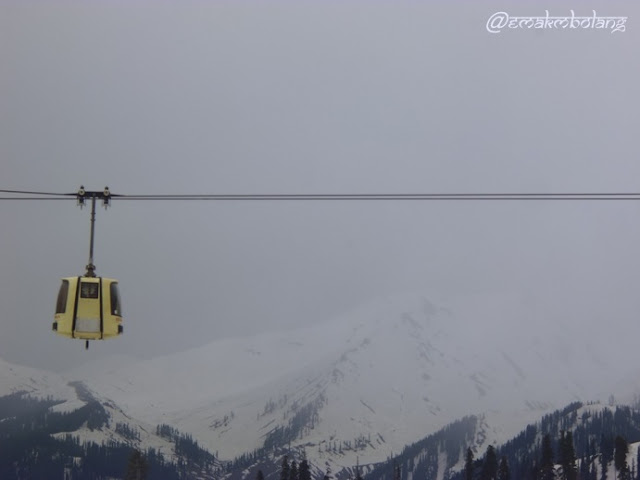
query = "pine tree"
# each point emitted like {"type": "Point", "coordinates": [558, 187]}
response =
{"type": "Point", "coordinates": [304, 472]}
{"type": "Point", "coordinates": [468, 465]}
{"type": "Point", "coordinates": [137, 467]}
{"type": "Point", "coordinates": [620, 458]}
{"type": "Point", "coordinates": [547, 471]}
{"type": "Point", "coordinates": [606, 454]}
{"type": "Point", "coordinates": [490, 464]}
{"type": "Point", "coordinates": [293, 471]}
{"type": "Point", "coordinates": [567, 456]}
{"type": "Point", "coordinates": [284, 471]}
{"type": "Point", "coordinates": [503, 470]}
{"type": "Point", "coordinates": [584, 469]}
{"type": "Point", "coordinates": [260, 475]}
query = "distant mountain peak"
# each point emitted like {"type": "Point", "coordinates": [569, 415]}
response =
{"type": "Point", "coordinates": [363, 385]}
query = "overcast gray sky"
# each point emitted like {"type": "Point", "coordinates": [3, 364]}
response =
{"type": "Point", "coordinates": [311, 97]}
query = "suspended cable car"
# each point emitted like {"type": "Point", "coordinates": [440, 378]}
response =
{"type": "Point", "coordinates": [88, 307]}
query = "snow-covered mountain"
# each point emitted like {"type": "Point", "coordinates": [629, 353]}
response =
{"type": "Point", "coordinates": [17, 378]}
{"type": "Point", "coordinates": [90, 419]}
{"type": "Point", "coordinates": [360, 387]}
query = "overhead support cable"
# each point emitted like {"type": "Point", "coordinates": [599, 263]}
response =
{"type": "Point", "coordinates": [106, 196]}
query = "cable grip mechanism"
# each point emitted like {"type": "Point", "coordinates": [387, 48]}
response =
{"type": "Point", "coordinates": [82, 197]}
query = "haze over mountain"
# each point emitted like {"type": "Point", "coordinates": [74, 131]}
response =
{"type": "Point", "coordinates": [381, 377]}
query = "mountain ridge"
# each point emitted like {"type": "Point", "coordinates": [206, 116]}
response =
{"type": "Point", "coordinates": [376, 369]}
{"type": "Point", "coordinates": [361, 387]}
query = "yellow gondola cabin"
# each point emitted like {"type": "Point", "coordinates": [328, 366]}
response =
{"type": "Point", "coordinates": [88, 308]}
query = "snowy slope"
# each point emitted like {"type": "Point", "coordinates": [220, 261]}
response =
{"type": "Point", "coordinates": [38, 383]}
{"type": "Point", "coordinates": [42, 384]}
{"type": "Point", "coordinates": [380, 377]}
